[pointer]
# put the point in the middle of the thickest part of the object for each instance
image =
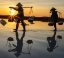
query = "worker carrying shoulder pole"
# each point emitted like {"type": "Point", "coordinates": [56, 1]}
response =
{"type": "Point", "coordinates": [54, 16]}
{"type": "Point", "coordinates": [19, 16]}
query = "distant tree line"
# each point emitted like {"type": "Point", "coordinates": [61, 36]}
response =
{"type": "Point", "coordinates": [43, 19]}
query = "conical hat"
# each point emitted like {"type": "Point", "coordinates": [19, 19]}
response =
{"type": "Point", "coordinates": [52, 9]}
{"type": "Point", "coordinates": [19, 4]}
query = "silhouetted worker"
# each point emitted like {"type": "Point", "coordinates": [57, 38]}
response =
{"type": "Point", "coordinates": [52, 43]}
{"type": "Point", "coordinates": [19, 46]}
{"type": "Point", "coordinates": [19, 16]}
{"type": "Point", "coordinates": [54, 17]}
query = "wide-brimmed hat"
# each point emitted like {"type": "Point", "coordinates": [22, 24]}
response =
{"type": "Point", "coordinates": [19, 4]}
{"type": "Point", "coordinates": [52, 9]}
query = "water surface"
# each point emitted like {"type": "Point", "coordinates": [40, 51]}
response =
{"type": "Point", "coordinates": [40, 33]}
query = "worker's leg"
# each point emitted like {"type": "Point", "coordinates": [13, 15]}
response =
{"type": "Point", "coordinates": [23, 24]}
{"type": "Point", "coordinates": [17, 25]}
{"type": "Point", "coordinates": [55, 25]}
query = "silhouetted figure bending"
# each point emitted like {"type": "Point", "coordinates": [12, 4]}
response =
{"type": "Point", "coordinates": [54, 17]}
{"type": "Point", "coordinates": [19, 16]}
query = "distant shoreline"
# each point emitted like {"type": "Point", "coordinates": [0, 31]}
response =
{"type": "Point", "coordinates": [43, 19]}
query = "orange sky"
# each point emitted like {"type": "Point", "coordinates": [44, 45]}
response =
{"type": "Point", "coordinates": [40, 7]}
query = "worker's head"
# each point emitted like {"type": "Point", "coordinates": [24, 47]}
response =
{"type": "Point", "coordinates": [19, 4]}
{"type": "Point", "coordinates": [53, 9]}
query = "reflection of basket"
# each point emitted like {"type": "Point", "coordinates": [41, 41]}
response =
{"type": "Point", "coordinates": [10, 39]}
{"type": "Point", "coordinates": [60, 23]}
{"type": "Point", "coordinates": [9, 43]}
{"type": "Point", "coordinates": [29, 41]}
{"type": "Point", "coordinates": [50, 23]}
{"type": "Point", "coordinates": [59, 37]}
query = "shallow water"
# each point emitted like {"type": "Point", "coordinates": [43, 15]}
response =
{"type": "Point", "coordinates": [40, 33]}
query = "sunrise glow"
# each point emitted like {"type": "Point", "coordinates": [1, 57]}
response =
{"type": "Point", "coordinates": [12, 12]}
{"type": "Point", "coordinates": [40, 7]}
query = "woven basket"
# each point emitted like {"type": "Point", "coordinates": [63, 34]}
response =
{"type": "Point", "coordinates": [50, 23]}
{"type": "Point", "coordinates": [60, 23]}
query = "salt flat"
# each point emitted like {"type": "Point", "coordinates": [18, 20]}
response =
{"type": "Point", "coordinates": [39, 33]}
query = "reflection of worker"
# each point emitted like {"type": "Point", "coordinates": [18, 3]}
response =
{"type": "Point", "coordinates": [52, 43]}
{"type": "Point", "coordinates": [20, 16]}
{"type": "Point", "coordinates": [54, 16]}
{"type": "Point", "coordinates": [19, 46]}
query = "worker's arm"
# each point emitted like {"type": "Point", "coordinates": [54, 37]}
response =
{"type": "Point", "coordinates": [13, 8]}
